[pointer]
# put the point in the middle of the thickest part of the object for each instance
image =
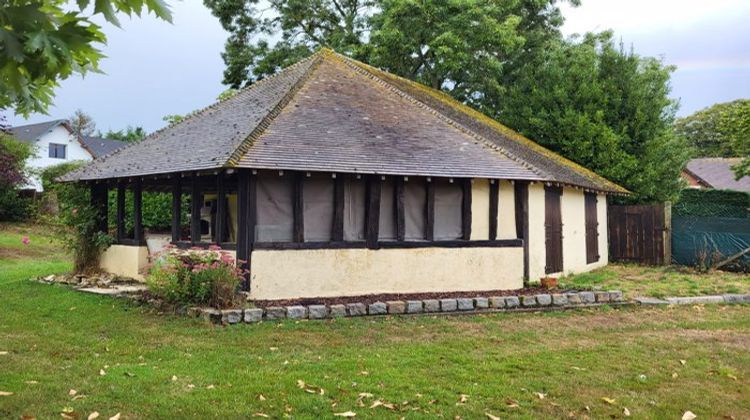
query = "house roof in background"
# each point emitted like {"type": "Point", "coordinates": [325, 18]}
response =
{"type": "Point", "coordinates": [717, 173]}
{"type": "Point", "coordinates": [31, 132]}
{"type": "Point", "coordinates": [100, 146]}
{"type": "Point", "coordinates": [330, 113]}
{"type": "Point", "coordinates": [97, 146]}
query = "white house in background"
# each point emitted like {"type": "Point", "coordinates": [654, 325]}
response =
{"type": "Point", "coordinates": [55, 142]}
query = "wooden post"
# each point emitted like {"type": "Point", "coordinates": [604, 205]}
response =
{"type": "Point", "coordinates": [466, 210]}
{"type": "Point", "coordinates": [337, 231]}
{"type": "Point", "coordinates": [298, 208]}
{"type": "Point", "coordinates": [120, 211]}
{"type": "Point", "coordinates": [400, 216]}
{"type": "Point", "coordinates": [176, 208]}
{"type": "Point", "coordinates": [246, 219]}
{"type": "Point", "coordinates": [196, 203]}
{"type": "Point", "coordinates": [429, 220]}
{"type": "Point", "coordinates": [138, 236]}
{"type": "Point", "coordinates": [221, 209]}
{"type": "Point", "coordinates": [372, 211]}
{"type": "Point", "coordinates": [494, 198]}
{"type": "Point", "coordinates": [521, 198]}
{"type": "Point", "coordinates": [99, 201]}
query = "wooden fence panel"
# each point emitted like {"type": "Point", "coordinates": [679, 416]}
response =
{"type": "Point", "coordinates": [639, 233]}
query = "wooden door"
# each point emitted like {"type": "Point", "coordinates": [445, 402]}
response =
{"type": "Point", "coordinates": [592, 229]}
{"type": "Point", "coordinates": [639, 233]}
{"type": "Point", "coordinates": [553, 229]}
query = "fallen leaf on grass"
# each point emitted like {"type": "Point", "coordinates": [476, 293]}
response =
{"type": "Point", "coordinates": [512, 404]}
{"type": "Point", "coordinates": [79, 397]}
{"type": "Point", "coordinates": [32, 382]}
{"type": "Point", "coordinates": [625, 412]}
{"type": "Point", "coordinates": [491, 417]}
{"type": "Point", "coordinates": [260, 415]}
{"type": "Point", "coordinates": [730, 376]}
{"type": "Point", "coordinates": [689, 416]}
{"type": "Point", "coordinates": [261, 397]}
{"type": "Point", "coordinates": [273, 348]}
{"type": "Point", "coordinates": [5, 394]}
{"type": "Point", "coordinates": [67, 410]}
{"type": "Point", "coordinates": [608, 400]}
{"type": "Point", "coordinates": [115, 417]}
{"type": "Point", "coordinates": [129, 374]}
{"type": "Point", "coordinates": [364, 373]}
{"type": "Point", "coordinates": [674, 375]}
{"type": "Point", "coordinates": [683, 362]}
{"type": "Point", "coordinates": [345, 414]}
{"type": "Point", "coordinates": [300, 383]}
{"type": "Point", "coordinates": [72, 392]}
{"type": "Point", "coordinates": [210, 387]}
{"type": "Point", "coordinates": [174, 378]}
{"type": "Point", "coordinates": [379, 403]}
{"type": "Point", "coordinates": [3, 353]}
{"type": "Point", "coordinates": [462, 399]}
{"type": "Point", "coordinates": [102, 372]}
{"type": "Point", "coordinates": [540, 395]}
{"type": "Point", "coordinates": [67, 416]}
{"type": "Point", "coordinates": [94, 415]}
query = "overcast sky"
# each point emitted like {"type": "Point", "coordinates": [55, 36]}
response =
{"type": "Point", "coordinates": [154, 68]}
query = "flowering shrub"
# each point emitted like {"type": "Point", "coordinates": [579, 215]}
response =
{"type": "Point", "coordinates": [192, 277]}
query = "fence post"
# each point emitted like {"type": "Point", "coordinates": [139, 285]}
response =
{"type": "Point", "coordinates": [667, 233]}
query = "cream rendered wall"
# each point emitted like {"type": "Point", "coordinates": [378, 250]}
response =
{"type": "Point", "coordinates": [287, 274]}
{"type": "Point", "coordinates": [480, 209]}
{"type": "Point", "coordinates": [572, 205]}
{"type": "Point", "coordinates": [506, 211]}
{"type": "Point", "coordinates": [537, 250]}
{"type": "Point", "coordinates": [125, 260]}
{"type": "Point", "coordinates": [40, 160]}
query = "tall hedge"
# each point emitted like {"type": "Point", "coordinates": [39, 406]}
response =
{"type": "Point", "coordinates": [712, 203]}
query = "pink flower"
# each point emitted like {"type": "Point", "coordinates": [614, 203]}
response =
{"type": "Point", "coordinates": [214, 248]}
{"type": "Point", "coordinates": [25, 240]}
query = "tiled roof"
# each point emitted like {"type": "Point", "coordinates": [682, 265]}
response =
{"type": "Point", "coordinates": [31, 132]}
{"type": "Point", "coordinates": [100, 146]}
{"type": "Point", "coordinates": [330, 113]}
{"type": "Point", "coordinates": [717, 173]}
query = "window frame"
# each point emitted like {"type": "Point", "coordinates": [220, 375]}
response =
{"type": "Point", "coordinates": [56, 147]}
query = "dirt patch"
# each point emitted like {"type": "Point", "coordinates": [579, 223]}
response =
{"type": "Point", "coordinates": [368, 299]}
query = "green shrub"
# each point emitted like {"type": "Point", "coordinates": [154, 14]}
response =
{"type": "Point", "coordinates": [13, 174]}
{"type": "Point", "coordinates": [156, 211]}
{"type": "Point", "coordinates": [14, 207]}
{"type": "Point", "coordinates": [712, 203]}
{"type": "Point", "coordinates": [195, 277]}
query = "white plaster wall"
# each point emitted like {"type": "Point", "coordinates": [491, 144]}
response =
{"type": "Point", "coordinates": [286, 274]}
{"type": "Point", "coordinates": [506, 211]}
{"type": "Point", "coordinates": [537, 249]}
{"type": "Point", "coordinates": [41, 159]}
{"type": "Point", "coordinates": [574, 232]}
{"type": "Point", "coordinates": [125, 260]}
{"type": "Point", "coordinates": [480, 209]}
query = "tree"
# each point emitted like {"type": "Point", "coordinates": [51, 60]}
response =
{"type": "Point", "coordinates": [130, 134]}
{"type": "Point", "coordinates": [721, 130]}
{"type": "Point", "coordinates": [603, 107]}
{"type": "Point", "coordinates": [13, 156]}
{"type": "Point", "coordinates": [46, 41]}
{"type": "Point", "coordinates": [82, 123]}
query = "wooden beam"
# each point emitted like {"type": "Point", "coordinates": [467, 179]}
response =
{"type": "Point", "coordinates": [221, 209]}
{"type": "Point", "coordinates": [429, 220]}
{"type": "Point", "coordinates": [120, 235]}
{"type": "Point", "coordinates": [138, 211]}
{"type": "Point", "coordinates": [521, 198]}
{"type": "Point", "coordinates": [466, 210]}
{"type": "Point", "coordinates": [196, 203]}
{"type": "Point", "coordinates": [243, 236]}
{"type": "Point", "coordinates": [400, 215]}
{"type": "Point", "coordinates": [337, 231]}
{"type": "Point", "coordinates": [494, 199]}
{"type": "Point", "coordinates": [176, 208]}
{"type": "Point", "coordinates": [298, 207]}
{"type": "Point", "coordinates": [372, 211]}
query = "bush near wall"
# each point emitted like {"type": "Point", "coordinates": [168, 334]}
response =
{"type": "Point", "coordinates": [712, 203]}
{"type": "Point", "coordinates": [156, 211]}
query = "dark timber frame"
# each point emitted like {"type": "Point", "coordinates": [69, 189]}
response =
{"type": "Point", "coordinates": [246, 187]}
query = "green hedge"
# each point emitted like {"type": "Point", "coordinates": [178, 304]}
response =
{"type": "Point", "coordinates": [712, 203]}
{"type": "Point", "coordinates": [156, 211]}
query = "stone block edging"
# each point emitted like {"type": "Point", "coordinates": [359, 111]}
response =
{"type": "Point", "coordinates": [479, 304]}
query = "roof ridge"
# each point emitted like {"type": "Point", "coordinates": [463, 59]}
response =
{"type": "Point", "coordinates": [366, 69]}
{"type": "Point", "coordinates": [495, 125]}
{"type": "Point", "coordinates": [259, 129]}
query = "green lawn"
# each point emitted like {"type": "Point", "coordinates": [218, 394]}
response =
{"type": "Point", "coordinates": [162, 366]}
{"type": "Point", "coordinates": [635, 280]}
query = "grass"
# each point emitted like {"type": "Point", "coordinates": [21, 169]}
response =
{"type": "Point", "coordinates": [635, 280]}
{"type": "Point", "coordinates": [158, 366]}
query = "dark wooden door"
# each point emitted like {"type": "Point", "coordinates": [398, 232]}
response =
{"type": "Point", "coordinates": [592, 229]}
{"type": "Point", "coordinates": [553, 230]}
{"type": "Point", "coordinates": [639, 233]}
